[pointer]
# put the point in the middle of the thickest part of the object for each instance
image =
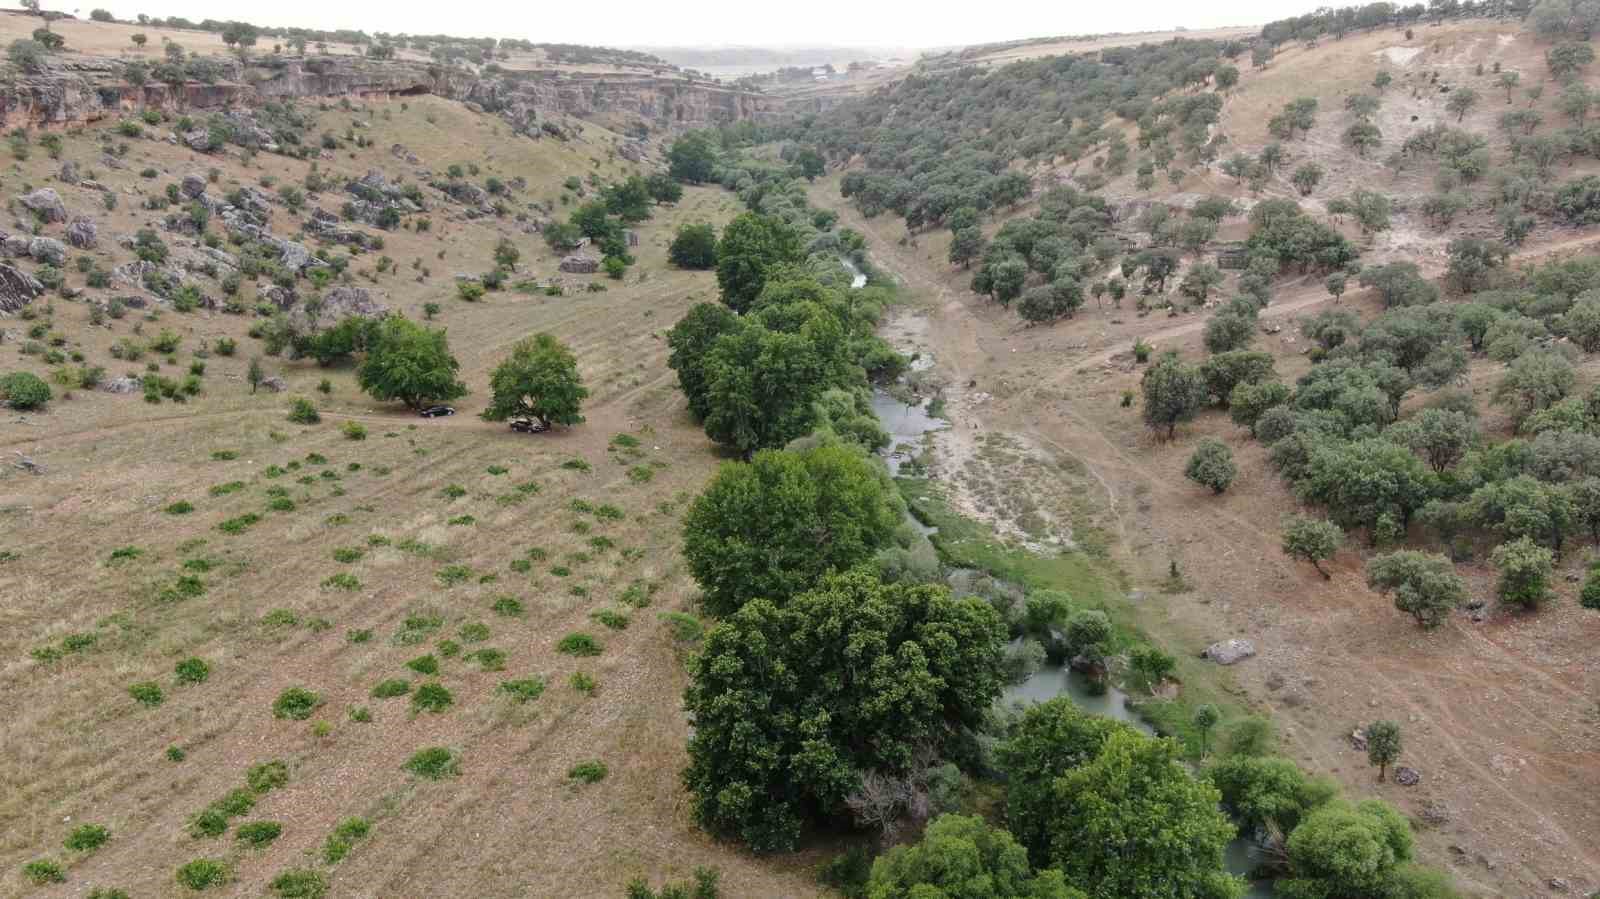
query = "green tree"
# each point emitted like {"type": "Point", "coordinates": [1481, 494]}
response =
{"type": "Point", "coordinates": [1306, 178]}
{"type": "Point", "coordinates": [1212, 465]}
{"type": "Point", "coordinates": [694, 247]}
{"type": "Point", "coordinates": [255, 375]}
{"type": "Point", "coordinates": [1383, 745]}
{"type": "Point", "coordinates": [770, 527]}
{"type": "Point", "coordinates": [1227, 331]}
{"type": "Point", "coordinates": [1371, 211]}
{"type": "Point", "coordinates": [1248, 402]}
{"type": "Point", "coordinates": [1165, 824]}
{"type": "Point", "coordinates": [1533, 382]}
{"type": "Point", "coordinates": [1525, 569]}
{"type": "Point", "coordinates": [692, 158]}
{"type": "Point", "coordinates": [1462, 100]}
{"type": "Point", "coordinates": [1206, 717]}
{"type": "Point", "coordinates": [1267, 794]}
{"type": "Point", "coordinates": [27, 55]}
{"type": "Point", "coordinates": [962, 857]}
{"type": "Point", "coordinates": [753, 247]}
{"type": "Point", "coordinates": [540, 378]}
{"type": "Point", "coordinates": [409, 363]}
{"type": "Point", "coordinates": [663, 189]}
{"type": "Point", "coordinates": [690, 340]}
{"type": "Point", "coordinates": [1312, 540]}
{"type": "Point", "coordinates": [1425, 585]}
{"type": "Point", "coordinates": [1173, 393]}
{"type": "Point", "coordinates": [1345, 850]}
{"type": "Point", "coordinates": [1052, 738]}
{"type": "Point", "coordinates": [761, 385]}
{"type": "Point", "coordinates": [789, 707]}
{"type": "Point", "coordinates": [1567, 60]}
{"type": "Point", "coordinates": [966, 245]}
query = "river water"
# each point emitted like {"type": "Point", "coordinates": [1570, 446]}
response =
{"type": "Point", "coordinates": [907, 425]}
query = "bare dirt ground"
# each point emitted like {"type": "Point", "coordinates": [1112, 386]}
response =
{"type": "Point", "coordinates": [1500, 717]}
{"type": "Point", "coordinates": [78, 749]}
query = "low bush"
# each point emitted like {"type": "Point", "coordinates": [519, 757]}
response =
{"type": "Point", "coordinates": [435, 763]}
{"type": "Point", "coordinates": [431, 697]}
{"type": "Point", "coordinates": [258, 833]}
{"type": "Point", "coordinates": [203, 874]}
{"type": "Point", "coordinates": [579, 644]}
{"type": "Point", "coordinates": [147, 693]}
{"type": "Point", "coordinates": [589, 772]}
{"type": "Point", "coordinates": [295, 703]}
{"type": "Point", "coordinates": [87, 837]}
{"type": "Point", "coordinates": [193, 670]}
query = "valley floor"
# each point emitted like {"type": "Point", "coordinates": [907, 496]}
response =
{"type": "Point", "coordinates": [1501, 717]}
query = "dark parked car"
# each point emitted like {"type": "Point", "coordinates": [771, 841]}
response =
{"type": "Point", "coordinates": [528, 426]}
{"type": "Point", "coordinates": [437, 411]}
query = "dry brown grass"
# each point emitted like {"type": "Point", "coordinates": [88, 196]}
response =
{"type": "Point", "coordinates": [79, 748]}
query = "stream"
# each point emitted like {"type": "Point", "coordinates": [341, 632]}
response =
{"type": "Point", "coordinates": [907, 425]}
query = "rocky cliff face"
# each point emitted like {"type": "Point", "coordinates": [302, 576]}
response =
{"type": "Point", "coordinates": [76, 89]}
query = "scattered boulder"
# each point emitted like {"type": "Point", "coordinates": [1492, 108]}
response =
{"type": "Point", "coordinates": [1229, 652]}
{"type": "Point", "coordinates": [1435, 812]}
{"type": "Point", "coordinates": [69, 173]}
{"type": "Point", "coordinates": [466, 193]}
{"type": "Point", "coordinates": [1358, 740]}
{"type": "Point", "coordinates": [82, 233]}
{"type": "Point", "coordinates": [48, 250]}
{"type": "Point", "coordinates": [198, 140]}
{"type": "Point", "coordinates": [46, 204]}
{"type": "Point", "coordinates": [123, 384]}
{"type": "Point", "coordinates": [17, 288]}
{"type": "Point", "coordinates": [282, 297]}
{"type": "Point", "coordinates": [1407, 777]}
{"type": "Point", "coordinates": [13, 247]}
{"type": "Point", "coordinates": [193, 185]}
{"type": "Point", "coordinates": [580, 265]}
{"type": "Point", "coordinates": [633, 151]}
{"type": "Point", "coordinates": [274, 384]}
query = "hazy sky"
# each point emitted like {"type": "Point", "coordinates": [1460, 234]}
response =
{"type": "Point", "coordinates": [720, 22]}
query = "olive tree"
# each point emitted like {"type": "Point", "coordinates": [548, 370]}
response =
{"type": "Point", "coordinates": [1173, 393]}
{"type": "Point", "coordinates": [410, 363]}
{"type": "Point", "coordinates": [1383, 745]}
{"type": "Point", "coordinates": [1312, 540]}
{"type": "Point", "coordinates": [1525, 569]}
{"type": "Point", "coordinates": [1425, 585]}
{"type": "Point", "coordinates": [1212, 465]}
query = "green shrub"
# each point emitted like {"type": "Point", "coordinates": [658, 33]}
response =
{"type": "Point", "coordinates": [525, 690]}
{"type": "Point", "coordinates": [181, 507]}
{"type": "Point", "coordinates": [354, 430]}
{"type": "Point", "coordinates": [450, 575]}
{"type": "Point", "coordinates": [42, 871]}
{"type": "Point", "coordinates": [300, 883]}
{"type": "Point", "coordinates": [431, 697]}
{"type": "Point", "coordinates": [361, 715]}
{"type": "Point", "coordinates": [588, 772]}
{"type": "Point", "coordinates": [476, 632]}
{"type": "Point", "coordinates": [509, 606]}
{"type": "Point", "coordinates": [426, 664]}
{"type": "Point", "coordinates": [348, 554]}
{"type": "Point", "coordinates": [611, 618]}
{"type": "Point", "coordinates": [225, 489]}
{"type": "Point", "coordinates": [202, 874]}
{"type": "Point", "coordinates": [295, 703]}
{"type": "Point", "coordinates": [176, 754]}
{"type": "Point", "coordinates": [147, 693]}
{"type": "Point", "coordinates": [583, 683]}
{"type": "Point", "coordinates": [344, 838]}
{"type": "Point", "coordinates": [435, 763]}
{"type": "Point", "coordinates": [25, 390]}
{"type": "Point", "coordinates": [280, 504]}
{"type": "Point", "coordinates": [391, 688]}
{"type": "Point", "coordinates": [193, 670]}
{"type": "Point", "coordinates": [267, 776]}
{"type": "Point", "coordinates": [258, 833]}
{"type": "Point", "coordinates": [238, 524]}
{"type": "Point", "coordinates": [303, 412]}
{"type": "Point", "coordinates": [685, 628]}
{"type": "Point", "coordinates": [577, 465]}
{"type": "Point", "coordinates": [108, 892]}
{"type": "Point", "coordinates": [489, 659]}
{"type": "Point", "coordinates": [342, 581]}
{"type": "Point", "coordinates": [579, 644]}
{"type": "Point", "coordinates": [87, 837]}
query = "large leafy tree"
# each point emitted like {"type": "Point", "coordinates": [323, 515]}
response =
{"type": "Point", "coordinates": [410, 363]}
{"type": "Point", "coordinates": [791, 704]}
{"type": "Point", "coordinates": [962, 857]}
{"type": "Point", "coordinates": [762, 384]}
{"type": "Point", "coordinates": [1347, 850]}
{"type": "Point", "coordinates": [1134, 823]}
{"type": "Point", "coordinates": [540, 378]}
{"type": "Point", "coordinates": [1268, 794]}
{"type": "Point", "coordinates": [692, 158]}
{"type": "Point", "coordinates": [694, 246]}
{"type": "Point", "coordinates": [770, 527]}
{"type": "Point", "coordinates": [1052, 738]}
{"type": "Point", "coordinates": [753, 247]}
{"type": "Point", "coordinates": [690, 340]}
{"type": "Point", "coordinates": [1425, 585]}
{"type": "Point", "coordinates": [1173, 393]}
